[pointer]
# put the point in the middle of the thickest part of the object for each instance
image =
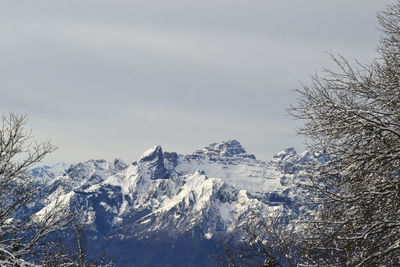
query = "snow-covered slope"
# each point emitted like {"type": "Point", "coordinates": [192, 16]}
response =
{"type": "Point", "coordinates": [205, 194]}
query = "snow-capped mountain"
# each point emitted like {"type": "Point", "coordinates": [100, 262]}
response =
{"type": "Point", "coordinates": [173, 199]}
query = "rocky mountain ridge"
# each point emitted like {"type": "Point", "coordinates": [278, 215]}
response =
{"type": "Point", "coordinates": [165, 195]}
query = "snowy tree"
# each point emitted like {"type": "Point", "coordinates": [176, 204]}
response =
{"type": "Point", "coordinates": [29, 238]}
{"type": "Point", "coordinates": [23, 237]}
{"type": "Point", "coordinates": [266, 242]}
{"type": "Point", "coordinates": [353, 116]}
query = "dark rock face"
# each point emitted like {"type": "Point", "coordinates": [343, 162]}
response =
{"type": "Point", "coordinates": [171, 158]}
{"type": "Point", "coordinates": [119, 164]}
{"type": "Point", "coordinates": [154, 162]}
{"type": "Point", "coordinates": [153, 154]}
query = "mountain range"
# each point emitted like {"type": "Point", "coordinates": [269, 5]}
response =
{"type": "Point", "coordinates": [169, 209]}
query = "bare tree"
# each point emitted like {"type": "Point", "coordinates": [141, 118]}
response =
{"type": "Point", "coordinates": [353, 116]}
{"type": "Point", "coordinates": [24, 237]}
{"type": "Point", "coordinates": [75, 252]}
{"type": "Point", "coordinates": [267, 242]}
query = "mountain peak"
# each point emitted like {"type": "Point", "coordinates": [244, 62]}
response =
{"type": "Point", "coordinates": [153, 159]}
{"type": "Point", "coordinates": [152, 153]}
{"type": "Point", "coordinates": [229, 148]}
{"type": "Point", "coordinates": [284, 154]}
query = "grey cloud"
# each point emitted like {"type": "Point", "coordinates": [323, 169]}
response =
{"type": "Point", "coordinates": [110, 78]}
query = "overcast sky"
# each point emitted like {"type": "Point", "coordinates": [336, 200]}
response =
{"type": "Point", "coordinates": [106, 79]}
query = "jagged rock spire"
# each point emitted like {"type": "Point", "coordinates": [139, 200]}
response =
{"type": "Point", "coordinates": [153, 159]}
